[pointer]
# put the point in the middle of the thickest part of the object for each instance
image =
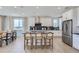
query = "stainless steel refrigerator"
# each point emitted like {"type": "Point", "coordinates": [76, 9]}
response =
{"type": "Point", "coordinates": [67, 32]}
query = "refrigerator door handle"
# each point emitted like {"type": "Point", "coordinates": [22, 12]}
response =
{"type": "Point", "coordinates": [66, 27]}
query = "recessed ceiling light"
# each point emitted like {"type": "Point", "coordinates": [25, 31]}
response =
{"type": "Point", "coordinates": [0, 7]}
{"type": "Point", "coordinates": [15, 7]}
{"type": "Point", "coordinates": [22, 13]}
{"type": "Point", "coordinates": [58, 8]}
{"type": "Point", "coordinates": [37, 7]}
{"type": "Point", "coordinates": [37, 14]}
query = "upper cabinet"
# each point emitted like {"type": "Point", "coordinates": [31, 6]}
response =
{"type": "Point", "coordinates": [77, 16]}
{"type": "Point", "coordinates": [67, 15]}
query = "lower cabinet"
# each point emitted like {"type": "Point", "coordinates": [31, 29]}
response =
{"type": "Point", "coordinates": [76, 41]}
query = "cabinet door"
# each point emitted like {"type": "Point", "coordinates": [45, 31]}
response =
{"type": "Point", "coordinates": [70, 14]}
{"type": "Point", "coordinates": [64, 16]}
{"type": "Point", "coordinates": [76, 41]}
{"type": "Point", "coordinates": [78, 17]}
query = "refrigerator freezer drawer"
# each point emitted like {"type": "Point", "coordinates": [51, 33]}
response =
{"type": "Point", "coordinates": [67, 40]}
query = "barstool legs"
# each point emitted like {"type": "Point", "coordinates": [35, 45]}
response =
{"type": "Point", "coordinates": [52, 42]}
{"type": "Point", "coordinates": [49, 42]}
{"type": "Point", "coordinates": [27, 42]}
{"type": "Point", "coordinates": [44, 42]}
{"type": "Point", "coordinates": [41, 44]}
{"type": "Point", "coordinates": [32, 44]}
{"type": "Point", "coordinates": [36, 43]}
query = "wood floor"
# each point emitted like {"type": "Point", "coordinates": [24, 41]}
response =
{"type": "Point", "coordinates": [18, 47]}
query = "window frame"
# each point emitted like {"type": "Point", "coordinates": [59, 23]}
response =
{"type": "Point", "coordinates": [56, 27]}
{"type": "Point", "coordinates": [19, 21]}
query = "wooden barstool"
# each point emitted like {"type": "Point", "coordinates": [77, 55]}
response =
{"type": "Point", "coordinates": [27, 38]}
{"type": "Point", "coordinates": [33, 38]}
{"type": "Point", "coordinates": [49, 39]}
{"type": "Point", "coordinates": [38, 38]}
{"type": "Point", "coordinates": [44, 38]}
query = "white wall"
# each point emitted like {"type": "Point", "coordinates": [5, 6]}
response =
{"type": "Point", "coordinates": [76, 20]}
{"type": "Point", "coordinates": [25, 24]}
{"type": "Point", "coordinates": [0, 23]}
{"type": "Point", "coordinates": [46, 21]}
{"type": "Point", "coordinates": [31, 22]}
{"type": "Point", "coordinates": [67, 15]}
{"type": "Point", "coordinates": [8, 23]}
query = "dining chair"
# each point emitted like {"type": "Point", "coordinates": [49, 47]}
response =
{"type": "Point", "coordinates": [8, 38]}
{"type": "Point", "coordinates": [2, 36]}
{"type": "Point", "coordinates": [14, 35]}
{"type": "Point", "coordinates": [1, 40]}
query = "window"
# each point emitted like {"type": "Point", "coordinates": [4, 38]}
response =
{"type": "Point", "coordinates": [18, 22]}
{"type": "Point", "coordinates": [56, 24]}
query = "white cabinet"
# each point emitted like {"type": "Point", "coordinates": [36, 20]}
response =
{"type": "Point", "coordinates": [64, 17]}
{"type": "Point", "coordinates": [68, 15]}
{"type": "Point", "coordinates": [76, 41]}
{"type": "Point", "coordinates": [77, 16]}
{"type": "Point", "coordinates": [31, 21]}
{"type": "Point", "coordinates": [46, 21]}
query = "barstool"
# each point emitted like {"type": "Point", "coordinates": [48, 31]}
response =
{"type": "Point", "coordinates": [44, 39]}
{"type": "Point", "coordinates": [33, 38]}
{"type": "Point", "coordinates": [38, 38]}
{"type": "Point", "coordinates": [49, 39]}
{"type": "Point", "coordinates": [27, 38]}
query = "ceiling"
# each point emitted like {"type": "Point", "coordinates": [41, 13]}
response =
{"type": "Point", "coordinates": [22, 11]}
